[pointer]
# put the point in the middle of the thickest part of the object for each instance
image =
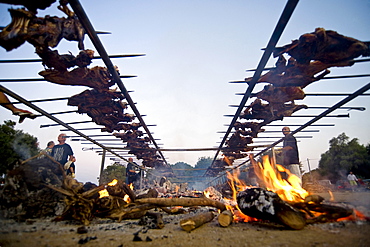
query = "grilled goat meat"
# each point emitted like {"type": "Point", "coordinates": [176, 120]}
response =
{"type": "Point", "coordinates": [238, 141]}
{"type": "Point", "coordinates": [14, 35]}
{"type": "Point", "coordinates": [254, 127]}
{"type": "Point", "coordinates": [96, 77]}
{"type": "Point", "coordinates": [104, 107]}
{"type": "Point", "coordinates": [269, 112]}
{"type": "Point", "coordinates": [50, 30]}
{"type": "Point", "coordinates": [124, 126]}
{"type": "Point", "coordinates": [280, 94]}
{"type": "Point", "coordinates": [326, 46]}
{"type": "Point", "coordinates": [298, 75]}
{"type": "Point", "coordinates": [129, 135]}
{"type": "Point", "coordinates": [40, 32]}
{"type": "Point", "coordinates": [61, 63]}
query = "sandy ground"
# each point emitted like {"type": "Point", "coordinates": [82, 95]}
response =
{"type": "Point", "coordinates": [107, 233]}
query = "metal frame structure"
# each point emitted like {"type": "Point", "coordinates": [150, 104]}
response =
{"type": "Point", "coordinates": [278, 31]}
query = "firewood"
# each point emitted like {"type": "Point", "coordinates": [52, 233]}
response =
{"type": "Point", "coordinates": [267, 205]}
{"type": "Point", "coordinates": [329, 212]}
{"type": "Point", "coordinates": [196, 221]}
{"type": "Point", "coordinates": [158, 219]}
{"type": "Point", "coordinates": [185, 202]}
{"type": "Point", "coordinates": [176, 210]}
{"type": "Point", "coordinates": [225, 218]}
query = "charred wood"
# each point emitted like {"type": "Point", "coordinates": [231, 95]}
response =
{"type": "Point", "coordinates": [266, 205]}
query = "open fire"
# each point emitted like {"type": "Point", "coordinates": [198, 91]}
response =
{"type": "Point", "coordinates": [282, 200]}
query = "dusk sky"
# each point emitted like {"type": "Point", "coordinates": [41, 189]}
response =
{"type": "Point", "coordinates": [193, 49]}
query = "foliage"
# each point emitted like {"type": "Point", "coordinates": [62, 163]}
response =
{"type": "Point", "coordinates": [345, 155]}
{"type": "Point", "coordinates": [15, 145]}
{"type": "Point", "coordinates": [187, 173]}
{"type": "Point", "coordinates": [114, 171]}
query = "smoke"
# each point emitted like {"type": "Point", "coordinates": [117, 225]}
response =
{"type": "Point", "coordinates": [21, 148]}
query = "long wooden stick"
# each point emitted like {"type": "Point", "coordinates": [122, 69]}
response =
{"type": "Point", "coordinates": [185, 202]}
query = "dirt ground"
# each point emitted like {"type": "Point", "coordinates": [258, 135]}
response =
{"type": "Point", "coordinates": [106, 233]}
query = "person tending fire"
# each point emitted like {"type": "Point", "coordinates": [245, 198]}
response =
{"type": "Point", "coordinates": [131, 174]}
{"type": "Point", "coordinates": [290, 153]}
{"type": "Point", "coordinates": [63, 154]}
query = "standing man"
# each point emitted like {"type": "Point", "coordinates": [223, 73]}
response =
{"type": "Point", "coordinates": [131, 171]}
{"type": "Point", "coordinates": [352, 179]}
{"type": "Point", "coordinates": [290, 153]}
{"type": "Point", "coordinates": [62, 152]}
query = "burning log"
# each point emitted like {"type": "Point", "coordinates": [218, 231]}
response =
{"type": "Point", "coordinates": [196, 221]}
{"type": "Point", "coordinates": [185, 202]}
{"type": "Point", "coordinates": [266, 205]}
{"type": "Point", "coordinates": [225, 218]}
{"type": "Point", "coordinates": [121, 189]}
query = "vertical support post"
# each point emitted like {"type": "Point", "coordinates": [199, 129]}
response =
{"type": "Point", "coordinates": [102, 166]}
{"type": "Point", "coordinates": [309, 169]}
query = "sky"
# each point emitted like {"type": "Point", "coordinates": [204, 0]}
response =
{"type": "Point", "coordinates": [193, 49]}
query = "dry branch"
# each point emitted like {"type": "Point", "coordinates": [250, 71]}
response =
{"type": "Point", "coordinates": [185, 202]}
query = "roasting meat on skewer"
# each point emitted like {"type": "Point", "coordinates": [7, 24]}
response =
{"type": "Point", "coordinates": [50, 30]}
{"type": "Point", "coordinates": [14, 35]}
{"type": "Point", "coordinates": [326, 46]}
{"type": "Point", "coordinates": [280, 94]}
{"type": "Point", "coordinates": [270, 112]}
{"type": "Point", "coordinates": [298, 75]}
{"type": "Point", "coordinates": [254, 127]}
{"type": "Point", "coordinates": [96, 77]}
{"type": "Point", "coordinates": [41, 32]}
{"type": "Point", "coordinates": [105, 107]}
{"type": "Point", "coordinates": [61, 63]}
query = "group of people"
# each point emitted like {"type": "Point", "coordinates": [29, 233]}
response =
{"type": "Point", "coordinates": [62, 153]}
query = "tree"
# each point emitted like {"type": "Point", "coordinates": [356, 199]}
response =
{"type": "Point", "coordinates": [344, 155]}
{"type": "Point", "coordinates": [201, 166]}
{"type": "Point", "coordinates": [15, 145]}
{"type": "Point", "coordinates": [114, 171]}
{"type": "Point", "coordinates": [183, 171]}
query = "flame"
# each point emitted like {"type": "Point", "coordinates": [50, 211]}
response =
{"type": "Point", "coordinates": [131, 185]}
{"type": "Point", "coordinates": [113, 183]}
{"type": "Point", "coordinates": [103, 193]}
{"type": "Point", "coordinates": [206, 193]}
{"type": "Point", "coordinates": [236, 185]}
{"type": "Point", "coordinates": [289, 189]}
{"type": "Point", "coordinates": [127, 199]}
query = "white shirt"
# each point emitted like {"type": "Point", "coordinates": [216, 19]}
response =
{"type": "Point", "coordinates": [351, 177]}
